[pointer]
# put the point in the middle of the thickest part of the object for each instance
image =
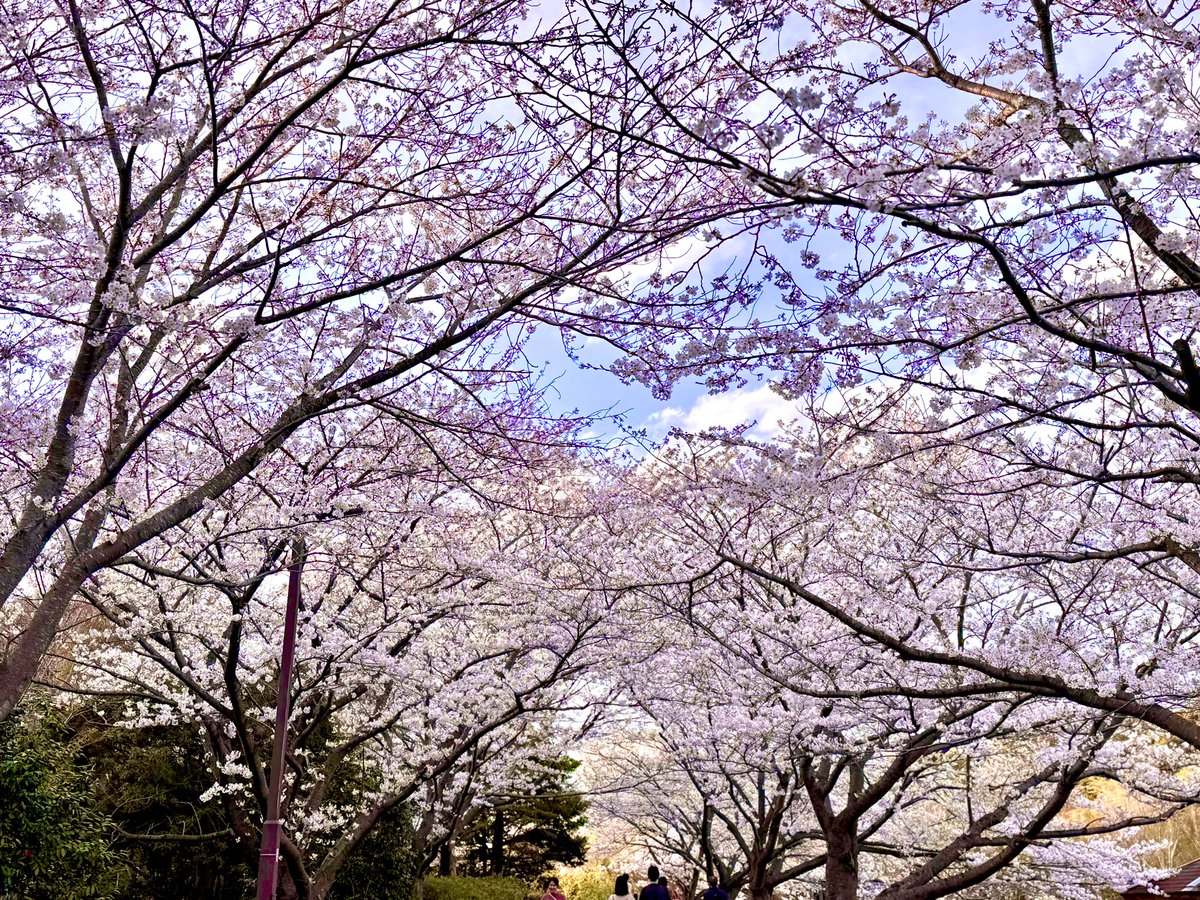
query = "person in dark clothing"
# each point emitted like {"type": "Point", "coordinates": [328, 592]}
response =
{"type": "Point", "coordinates": [715, 891]}
{"type": "Point", "coordinates": [653, 890]}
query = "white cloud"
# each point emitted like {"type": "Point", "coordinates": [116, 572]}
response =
{"type": "Point", "coordinates": [760, 405]}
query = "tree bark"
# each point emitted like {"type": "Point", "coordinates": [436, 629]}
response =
{"type": "Point", "coordinates": [287, 887]}
{"type": "Point", "coordinates": [497, 849]}
{"type": "Point", "coordinates": [758, 885]}
{"type": "Point", "coordinates": [20, 665]}
{"type": "Point", "coordinates": [841, 863]}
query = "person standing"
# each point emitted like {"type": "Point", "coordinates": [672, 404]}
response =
{"type": "Point", "coordinates": [621, 890]}
{"type": "Point", "coordinates": [653, 890]}
{"type": "Point", "coordinates": [553, 892]}
{"type": "Point", "coordinates": [715, 891]}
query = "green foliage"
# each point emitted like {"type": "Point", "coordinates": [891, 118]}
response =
{"type": "Point", "coordinates": [587, 883]}
{"type": "Point", "coordinates": [79, 797]}
{"type": "Point", "coordinates": [53, 843]}
{"type": "Point", "coordinates": [540, 828]}
{"type": "Point", "coordinates": [384, 865]}
{"type": "Point", "coordinates": [490, 888]}
{"type": "Point", "coordinates": [149, 782]}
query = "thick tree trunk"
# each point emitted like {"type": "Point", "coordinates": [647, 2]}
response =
{"type": "Point", "coordinates": [446, 860]}
{"type": "Point", "coordinates": [294, 882]}
{"type": "Point", "coordinates": [286, 889]}
{"type": "Point", "coordinates": [24, 655]}
{"type": "Point", "coordinates": [22, 550]}
{"type": "Point", "coordinates": [758, 886]}
{"type": "Point", "coordinates": [841, 865]}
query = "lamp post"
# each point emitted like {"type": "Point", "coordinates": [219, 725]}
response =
{"type": "Point", "coordinates": [268, 857]}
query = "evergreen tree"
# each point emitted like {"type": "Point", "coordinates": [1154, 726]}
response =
{"type": "Point", "coordinates": [151, 783]}
{"type": "Point", "coordinates": [526, 833]}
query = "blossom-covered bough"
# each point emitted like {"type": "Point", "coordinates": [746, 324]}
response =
{"type": "Point", "coordinates": [983, 214]}
{"type": "Point", "coordinates": [951, 183]}
{"type": "Point", "coordinates": [223, 221]}
{"type": "Point", "coordinates": [439, 644]}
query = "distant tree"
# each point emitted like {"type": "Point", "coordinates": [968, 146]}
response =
{"type": "Point", "coordinates": [53, 843]}
{"type": "Point", "coordinates": [528, 831]}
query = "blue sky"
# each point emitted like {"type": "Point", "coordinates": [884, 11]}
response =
{"type": "Point", "coordinates": [633, 407]}
{"type": "Point", "coordinates": [570, 388]}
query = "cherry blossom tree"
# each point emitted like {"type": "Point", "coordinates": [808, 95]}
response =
{"type": "Point", "coordinates": [788, 741]}
{"type": "Point", "coordinates": [225, 220]}
{"type": "Point", "coordinates": [971, 816]}
{"type": "Point", "coordinates": [438, 642]}
{"type": "Point", "coordinates": [773, 816]}
{"type": "Point", "coordinates": [982, 213]}
{"type": "Point", "coordinates": [960, 560]}
{"type": "Point", "coordinates": [270, 272]}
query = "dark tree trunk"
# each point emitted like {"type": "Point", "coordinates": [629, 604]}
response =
{"type": "Point", "coordinates": [758, 886]}
{"type": "Point", "coordinates": [497, 860]}
{"type": "Point", "coordinates": [446, 860]}
{"type": "Point", "coordinates": [841, 865]}
{"type": "Point", "coordinates": [286, 888]}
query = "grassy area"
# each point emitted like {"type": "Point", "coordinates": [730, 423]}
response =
{"type": "Point", "coordinates": [475, 889]}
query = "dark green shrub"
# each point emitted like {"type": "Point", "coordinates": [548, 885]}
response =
{"type": "Point", "coordinates": [53, 842]}
{"type": "Point", "coordinates": [149, 782]}
{"type": "Point", "coordinates": [383, 866]}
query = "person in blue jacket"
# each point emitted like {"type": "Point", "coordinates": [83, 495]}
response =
{"type": "Point", "coordinates": [715, 891]}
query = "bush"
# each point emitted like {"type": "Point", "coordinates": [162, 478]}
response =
{"type": "Point", "coordinates": [475, 889]}
{"type": "Point", "coordinates": [53, 844]}
{"type": "Point", "coordinates": [149, 782]}
{"type": "Point", "coordinates": [587, 883]}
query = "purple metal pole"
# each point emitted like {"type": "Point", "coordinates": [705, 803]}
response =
{"type": "Point", "coordinates": [268, 857]}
